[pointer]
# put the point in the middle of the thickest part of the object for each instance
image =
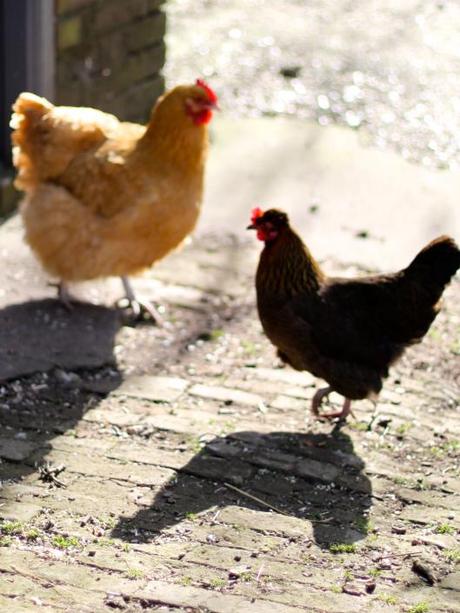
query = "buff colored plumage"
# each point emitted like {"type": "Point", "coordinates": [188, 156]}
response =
{"type": "Point", "coordinates": [103, 197]}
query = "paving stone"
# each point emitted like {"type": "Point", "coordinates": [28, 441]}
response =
{"type": "Point", "coordinates": [179, 596]}
{"type": "Point", "coordinates": [210, 281]}
{"type": "Point", "coordinates": [264, 521]}
{"type": "Point", "coordinates": [15, 450]}
{"type": "Point", "coordinates": [284, 375]}
{"type": "Point", "coordinates": [430, 498]}
{"type": "Point", "coordinates": [187, 297]}
{"type": "Point", "coordinates": [423, 515]}
{"type": "Point", "coordinates": [269, 387]}
{"type": "Point", "coordinates": [12, 510]}
{"type": "Point", "coordinates": [190, 422]}
{"type": "Point", "coordinates": [101, 467]}
{"type": "Point", "coordinates": [225, 394]}
{"type": "Point", "coordinates": [286, 403]}
{"type": "Point", "coordinates": [451, 582]}
{"type": "Point", "coordinates": [149, 454]}
{"type": "Point", "coordinates": [317, 470]}
{"type": "Point", "coordinates": [443, 541]}
{"type": "Point", "coordinates": [30, 564]}
{"type": "Point", "coordinates": [116, 417]}
{"type": "Point", "coordinates": [157, 389]}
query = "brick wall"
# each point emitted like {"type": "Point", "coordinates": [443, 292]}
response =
{"type": "Point", "coordinates": [109, 55]}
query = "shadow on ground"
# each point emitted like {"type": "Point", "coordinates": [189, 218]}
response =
{"type": "Point", "coordinates": [40, 342]}
{"type": "Point", "coordinates": [317, 477]}
{"type": "Point", "coordinates": [37, 336]}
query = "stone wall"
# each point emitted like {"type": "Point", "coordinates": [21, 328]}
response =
{"type": "Point", "coordinates": [109, 55]}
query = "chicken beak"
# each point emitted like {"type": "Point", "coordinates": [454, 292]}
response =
{"type": "Point", "coordinates": [251, 227]}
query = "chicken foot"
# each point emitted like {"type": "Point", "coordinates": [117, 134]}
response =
{"type": "Point", "coordinates": [64, 295]}
{"type": "Point", "coordinates": [138, 305]}
{"type": "Point", "coordinates": [317, 400]}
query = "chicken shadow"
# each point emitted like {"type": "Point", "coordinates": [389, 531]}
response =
{"type": "Point", "coordinates": [37, 336]}
{"type": "Point", "coordinates": [317, 477]}
{"type": "Point", "coordinates": [42, 345]}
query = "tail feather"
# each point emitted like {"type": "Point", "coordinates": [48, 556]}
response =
{"type": "Point", "coordinates": [28, 111]}
{"type": "Point", "coordinates": [435, 265]}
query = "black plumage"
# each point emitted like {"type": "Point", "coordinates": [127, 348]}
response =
{"type": "Point", "coordinates": [345, 331]}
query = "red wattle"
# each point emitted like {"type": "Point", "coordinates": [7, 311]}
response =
{"type": "Point", "coordinates": [203, 117]}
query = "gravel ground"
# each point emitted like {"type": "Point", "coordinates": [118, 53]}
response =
{"type": "Point", "coordinates": [390, 70]}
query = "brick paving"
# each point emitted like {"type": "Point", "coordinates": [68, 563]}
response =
{"type": "Point", "coordinates": [177, 469]}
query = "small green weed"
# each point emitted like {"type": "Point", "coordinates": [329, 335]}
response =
{"type": "Point", "coordinates": [364, 525]}
{"type": "Point", "coordinates": [195, 444]}
{"type": "Point", "coordinates": [342, 548]}
{"type": "Point", "coordinates": [108, 522]}
{"type": "Point", "coordinates": [249, 348]}
{"type": "Point", "coordinates": [403, 429]}
{"type": "Point", "coordinates": [452, 554]}
{"type": "Point", "coordinates": [422, 484]}
{"type": "Point", "coordinates": [217, 582]}
{"type": "Point", "coordinates": [388, 599]}
{"type": "Point", "coordinates": [32, 535]}
{"type": "Point", "coordinates": [421, 607]}
{"type": "Point", "coordinates": [65, 542]}
{"type": "Point", "coordinates": [135, 573]}
{"type": "Point", "coordinates": [359, 426]}
{"type": "Point", "coordinates": [444, 529]}
{"type": "Point", "coordinates": [11, 528]}
{"type": "Point", "coordinates": [102, 542]}
{"type": "Point", "coordinates": [446, 447]}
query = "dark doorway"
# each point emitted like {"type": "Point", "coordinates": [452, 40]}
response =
{"type": "Point", "coordinates": [26, 58]}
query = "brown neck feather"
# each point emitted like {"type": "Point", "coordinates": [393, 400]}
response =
{"type": "Point", "coordinates": [287, 268]}
{"type": "Point", "coordinates": [172, 137]}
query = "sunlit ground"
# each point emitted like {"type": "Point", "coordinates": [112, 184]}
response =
{"type": "Point", "coordinates": [390, 70]}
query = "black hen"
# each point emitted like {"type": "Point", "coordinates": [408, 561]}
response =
{"type": "Point", "coordinates": [346, 331]}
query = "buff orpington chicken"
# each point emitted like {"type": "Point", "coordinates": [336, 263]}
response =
{"type": "Point", "coordinates": [109, 198]}
{"type": "Point", "coordinates": [345, 331]}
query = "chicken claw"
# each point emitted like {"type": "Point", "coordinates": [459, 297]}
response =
{"type": "Point", "coordinates": [140, 306]}
{"type": "Point", "coordinates": [317, 400]}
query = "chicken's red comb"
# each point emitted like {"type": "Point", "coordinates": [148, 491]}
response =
{"type": "Point", "coordinates": [211, 94]}
{"type": "Point", "coordinates": [256, 213]}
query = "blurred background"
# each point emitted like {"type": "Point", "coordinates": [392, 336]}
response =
{"type": "Point", "coordinates": [388, 71]}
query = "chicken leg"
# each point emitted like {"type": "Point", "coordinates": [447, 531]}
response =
{"type": "Point", "coordinates": [64, 295]}
{"type": "Point", "coordinates": [139, 306]}
{"type": "Point", "coordinates": [317, 400]}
